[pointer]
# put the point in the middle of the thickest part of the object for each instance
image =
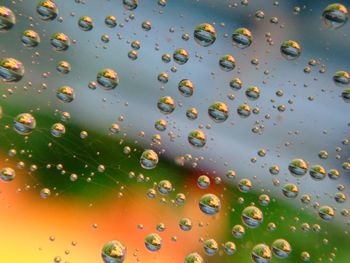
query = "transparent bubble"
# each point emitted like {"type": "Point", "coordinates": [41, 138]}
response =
{"type": "Point", "coordinates": [73, 177]}
{"type": "Point", "coordinates": [30, 38]}
{"type": "Point", "coordinates": [341, 78]}
{"type": "Point", "coordinates": [290, 49]}
{"type": "Point", "coordinates": [160, 227]}
{"type": "Point", "coordinates": [340, 197]}
{"type": "Point", "coordinates": [65, 116]}
{"type": "Point", "coordinates": [231, 174]}
{"type": "Point", "coordinates": [245, 185]}
{"type": "Point", "coordinates": [335, 15]}
{"type": "Point", "coordinates": [162, 3]}
{"type": "Point", "coordinates": [153, 242]}
{"type": "Point", "coordinates": [7, 19]}
{"type": "Point", "coordinates": [166, 105]}
{"type": "Point", "coordinates": [47, 10]}
{"type": "Point", "coordinates": [186, 88]}
{"type": "Point", "coordinates": [166, 58]}
{"type": "Point", "coordinates": [185, 224]}
{"type": "Point", "coordinates": [323, 154]}
{"type": "Point", "coordinates": [85, 23]}
{"type": "Point", "coordinates": [180, 56]}
{"type": "Point", "coordinates": [345, 93]}
{"type": "Point", "coordinates": [63, 67]}
{"type": "Point", "coordinates": [192, 113]}
{"type": "Point", "coordinates": [164, 187]}
{"type": "Point", "coordinates": [333, 174]}
{"type": "Point", "coordinates": [163, 77]}
{"type": "Point", "coordinates": [111, 21]}
{"type": "Point", "coordinates": [209, 204]}
{"type": "Point", "coordinates": [252, 216]}
{"type": "Point", "coordinates": [113, 252]}
{"type": "Point", "coordinates": [253, 92]}
{"type": "Point", "coordinates": [290, 190]}
{"type": "Point", "coordinates": [24, 123]}
{"type": "Point", "coordinates": [203, 182]}
{"type": "Point", "coordinates": [298, 167]}
{"type": "Point", "coordinates": [146, 25]}
{"type": "Point", "coordinates": [180, 198]}
{"type": "Point", "coordinates": [193, 258]}
{"type": "Point", "coordinates": [230, 248]}
{"type": "Point", "coordinates": [197, 138]}
{"type": "Point", "coordinates": [236, 84]}
{"type": "Point", "coordinates": [227, 63]}
{"type": "Point", "coordinates": [11, 70]}
{"type": "Point", "coordinates": [65, 94]}
{"type": "Point", "coordinates": [58, 130]}
{"type": "Point", "coordinates": [45, 193]}
{"type": "Point", "coordinates": [130, 4]}
{"type": "Point", "coordinates": [218, 111]}
{"type": "Point", "coordinates": [105, 38]}
{"type": "Point", "coordinates": [259, 15]}
{"type": "Point", "coordinates": [238, 231]}
{"type": "Point", "coordinates": [149, 159]}
{"type": "Point", "coordinates": [211, 247]}
{"type": "Point", "coordinates": [326, 213]}
{"type": "Point", "coordinates": [281, 248]}
{"type": "Point", "coordinates": [60, 42]}
{"type": "Point", "coordinates": [305, 199]}
{"type": "Point", "coordinates": [242, 37]}
{"type": "Point", "coordinates": [244, 110]}
{"type": "Point", "coordinates": [261, 253]}
{"type": "Point", "coordinates": [204, 34]}
{"type": "Point", "coordinates": [305, 256]}
{"type": "Point", "coordinates": [7, 174]}
{"type": "Point", "coordinates": [132, 54]}
{"type": "Point", "coordinates": [271, 226]}
{"type": "Point", "coordinates": [317, 172]}
{"type": "Point", "coordinates": [274, 169]}
{"type": "Point", "coordinates": [107, 79]}
{"type": "Point", "coordinates": [151, 193]}
{"type": "Point", "coordinates": [264, 200]}
{"type": "Point", "coordinates": [114, 128]}
{"type": "Point", "coordinates": [160, 125]}
{"type": "Point", "coordinates": [136, 44]}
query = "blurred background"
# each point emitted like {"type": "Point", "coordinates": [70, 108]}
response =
{"type": "Point", "coordinates": [112, 204]}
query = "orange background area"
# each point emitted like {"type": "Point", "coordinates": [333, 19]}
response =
{"type": "Point", "coordinates": [27, 222]}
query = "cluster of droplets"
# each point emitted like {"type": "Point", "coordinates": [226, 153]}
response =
{"type": "Point", "coordinates": [204, 35]}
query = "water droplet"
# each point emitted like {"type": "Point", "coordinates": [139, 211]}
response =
{"type": "Point", "coordinates": [210, 204]}
{"type": "Point", "coordinates": [261, 253]}
{"type": "Point", "coordinates": [281, 248]}
{"type": "Point", "coordinates": [149, 159]}
{"type": "Point", "coordinates": [290, 49]}
{"type": "Point", "coordinates": [85, 23]}
{"type": "Point", "coordinates": [65, 94]}
{"type": "Point", "coordinates": [7, 174]}
{"type": "Point", "coordinates": [242, 38]}
{"type": "Point", "coordinates": [30, 38]}
{"type": "Point", "coordinates": [107, 78]}
{"type": "Point", "coordinates": [252, 216]}
{"type": "Point", "coordinates": [204, 34]}
{"type": "Point", "coordinates": [335, 15]}
{"type": "Point", "coordinates": [47, 10]}
{"type": "Point", "coordinates": [153, 242]}
{"type": "Point", "coordinates": [227, 63]}
{"type": "Point", "coordinates": [11, 70]}
{"type": "Point", "coordinates": [60, 42]}
{"type": "Point", "coordinates": [197, 138]}
{"type": "Point", "coordinates": [113, 252]}
{"type": "Point", "coordinates": [24, 123]}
